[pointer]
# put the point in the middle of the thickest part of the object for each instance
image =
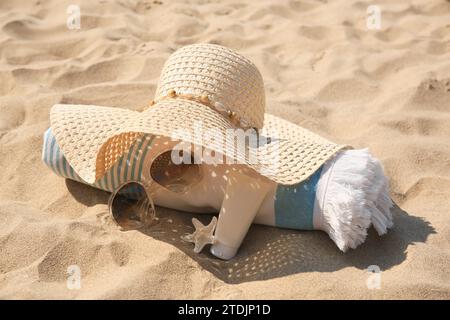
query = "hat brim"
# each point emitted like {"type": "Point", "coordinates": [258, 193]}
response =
{"type": "Point", "coordinates": [92, 138]}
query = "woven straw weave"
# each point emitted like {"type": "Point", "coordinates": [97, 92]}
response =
{"type": "Point", "coordinates": [220, 74]}
{"type": "Point", "coordinates": [92, 138]}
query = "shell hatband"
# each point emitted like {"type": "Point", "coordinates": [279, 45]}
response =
{"type": "Point", "coordinates": [206, 101]}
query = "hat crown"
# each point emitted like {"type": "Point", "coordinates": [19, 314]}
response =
{"type": "Point", "coordinates": [231, 82]}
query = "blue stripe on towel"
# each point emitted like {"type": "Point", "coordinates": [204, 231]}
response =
{"type": "Point", "coordinates": [128, 167]}
{"type": "Point", "coordinates": [126, 174]}
{"type": "Point", "coordinates": [294, 205]}
{"type": "Point", "coordinates": [140, 157]}
{"type": "Point", "coordinates": [65, 166]}
{"type": "Point", "coordinates": [49, 150]}
{"type": "Point", "coordinates": [54, 159]}
{"type": "Point", "coordinates": [148, 146]}
{"type": "Point", "coordinates": [112, 179]}
{"type": "Point", "coordinates": [71, 172]}
{"type": "Point", "coordinates": [58, 160]}
{"type": "Point", "coordinates": [107, 182]}
{"type": "Point", "coordinates": [136, 156]}
{"type": "Point", "coordinates": [100, 183]}
{"type": "Point", "coordinates": [119, 169]}
{"type": "Point", "coordinates": [44, 147]}
{"type": "Point", "coordinates": [97, 184]}
{"type": "Point", "coordinates": [52, 156]}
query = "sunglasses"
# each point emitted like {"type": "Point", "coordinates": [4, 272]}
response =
{"type": "Point", "coordinates": [131, 205]}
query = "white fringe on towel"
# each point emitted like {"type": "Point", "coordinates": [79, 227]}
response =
{"type": "Point", "coordinates": [352, 194]}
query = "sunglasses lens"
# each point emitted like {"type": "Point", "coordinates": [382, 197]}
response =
{"type": "Point", "coordinates": [131, 207]}
{"type": "Point", "coordinates": [175, 177]}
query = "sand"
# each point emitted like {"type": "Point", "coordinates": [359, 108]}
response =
{"type": "Point", "coordinates": [387, 89]}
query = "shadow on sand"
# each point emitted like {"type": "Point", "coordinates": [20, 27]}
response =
{"type": "Point", "coordinates": [269, 252]}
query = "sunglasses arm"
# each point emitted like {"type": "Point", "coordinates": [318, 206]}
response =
{"type": "Point", "coordinates": [243, 198]}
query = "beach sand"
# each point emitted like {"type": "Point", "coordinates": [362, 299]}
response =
{"type": "Point", "coordinates": [387, 89]}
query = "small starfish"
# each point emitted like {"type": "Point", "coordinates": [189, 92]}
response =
{"type": "Point", "coordinates": [202, 235]}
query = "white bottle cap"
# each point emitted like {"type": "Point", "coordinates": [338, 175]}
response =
{"type": "Point", "coordinates": [223, 251]}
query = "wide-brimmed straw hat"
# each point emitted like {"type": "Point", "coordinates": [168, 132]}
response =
{"type": "Point", "coordinates": [205, 91]}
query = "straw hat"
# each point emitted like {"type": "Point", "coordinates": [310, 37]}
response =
{"type": "Point", "coordinates": [204, 92]}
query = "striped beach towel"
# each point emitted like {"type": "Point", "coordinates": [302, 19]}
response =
{"type": "Point", "coordinates": [129, 167]}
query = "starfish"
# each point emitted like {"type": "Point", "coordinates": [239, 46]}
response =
{"type": "Point", "coordinates": [202, 235]}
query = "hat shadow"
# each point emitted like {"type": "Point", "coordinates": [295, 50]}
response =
{"type": "Point", "coordinates": [85, 194]}
{"type": "Point", "coordinates": [270, 252]}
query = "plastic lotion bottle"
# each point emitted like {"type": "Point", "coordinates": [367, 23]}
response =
{"type": "Point", "coordinates": [243, 197]}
